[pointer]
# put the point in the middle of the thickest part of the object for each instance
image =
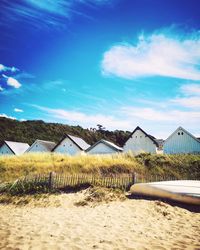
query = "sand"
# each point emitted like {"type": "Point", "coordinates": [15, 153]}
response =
{"type": "Point", "coordinates": [129, 224]}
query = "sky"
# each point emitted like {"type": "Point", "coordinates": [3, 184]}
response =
{"type": "Point", "coordinates": [119, 63]}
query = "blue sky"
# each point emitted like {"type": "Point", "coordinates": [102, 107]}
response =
{"type": "Point", "coordinates": [120, 63]}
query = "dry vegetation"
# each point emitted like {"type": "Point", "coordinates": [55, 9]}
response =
{"type": "Point", "coordinates": [179, 166]}
{"type": "Point", "coordinates": [91, 196]}
{"type": "Point", "coordinates": [96, 195]}
{"type": "Point", "coordinates": [13, 167]}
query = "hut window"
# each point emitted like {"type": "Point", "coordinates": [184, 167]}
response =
{"type": "Point", "coordinates": [136, 136]}
{"type": "Point", "coordinates": [64, 145]}
{"type": "Point", "coordinates": [36, 146]}
{"type": "Point", "coordinates": [178, 133]}
{"type": "Point", "coordinates": [182, 133]}
{"type": "Point", "coordinates": [70, 145]}
{"type": "Point", "coordinates": [140, 136]}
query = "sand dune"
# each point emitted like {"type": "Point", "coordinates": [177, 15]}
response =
{"type": "Point", "coordinates": [129, 224]}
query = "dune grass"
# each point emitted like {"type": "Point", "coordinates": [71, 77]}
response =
{"type": "Point", "coordinates": [182, 166]}
{"type": "Point", "coordinates": [13, 167]}
{"type": "Point", "coordinates": [179, 166]}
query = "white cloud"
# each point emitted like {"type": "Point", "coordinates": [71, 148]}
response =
{"type": "Point", "coordinates": [18, 110]}
{"type": "Point", "coordinates": [155, 55]}
{"type": "Point", "coordinates": [1, 88]}
{"type": "Point", "coordinates": [13, 82]}
{"type": "Point", "coordinates": [6, 116]}
{"type": "Point", "coordinates": [5, 68]}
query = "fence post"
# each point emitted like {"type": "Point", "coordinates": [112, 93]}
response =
{"type": "Point", "coordinates": [134, 178]}
{"type": "Point", "coordinates": [51, 175]}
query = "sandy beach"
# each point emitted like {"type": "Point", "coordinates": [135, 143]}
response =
{"type": "Point", "coordinates": [128, 224]}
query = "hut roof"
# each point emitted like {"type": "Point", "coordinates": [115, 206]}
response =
{"type": "Point", "coordinates": [79, 142]}
{"type": "Point", "coordinates": [108, 143]}
{"type": "Point", "coordinates": [17, 147]}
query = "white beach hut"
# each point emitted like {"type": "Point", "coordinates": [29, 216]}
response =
{"type": "Point", "coordinates": [71, 145]}
{"type": "Point", "coordinates": [139, 141]}
{"type": "Point", "coordinates": [13, 148]}
{"type": "Point", "coordinates": [41, 146]}
{"type": "Point", "coordinates": [181, 142]}
{"type": "Point", "coordinates": [104, 147]}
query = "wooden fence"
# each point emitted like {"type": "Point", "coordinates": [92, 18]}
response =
{"type": "Point", "coordinates": [64, 181]}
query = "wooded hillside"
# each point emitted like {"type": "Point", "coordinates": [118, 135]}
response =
{"type": "Point", "coordinates": [29, 131]}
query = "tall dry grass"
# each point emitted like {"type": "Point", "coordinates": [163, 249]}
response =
{"type": "Point", "coordinates": [179, 166]}
{"type": "Point", "coordinates": [13, 167]}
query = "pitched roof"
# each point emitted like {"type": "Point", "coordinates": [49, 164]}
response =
{"type": "Point", "coordinates": [108, 143]}
{"type": "Point", "coordinates": [49, 145]}
{"type": "Point", "coordinates": [80, 143]}
{"type": "Point", "coordinates": [152, 138]}
{"type": "Point", "coordinates": [17, 147]}
{"type": "Point", "coordinates": [185, 131]}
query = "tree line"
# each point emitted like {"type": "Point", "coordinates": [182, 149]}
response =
{"type": "Point", "coordinates": [29, 131]}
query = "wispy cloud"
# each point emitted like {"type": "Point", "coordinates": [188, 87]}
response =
{"type": "Point", "coordinates": [176, 116]}
{"type": "Point", "coordinates": [58, 7]}
{"type": "Point", "coordinates": [18, 110]}
{"type": "Point", "coordinates": [158, 54]}
{"type": "Point", "coordinates": [188, 102]}
{"type": "Point", "coordinates": [160, 122]}
{"type": "Point", "coordinates": [190, 96]}
{"type": "Point", "coordinates": [85, 120]}
{"type": "Point", "coordinates": [1, 88]}
{"type": "Point", "coordinates": [4, 68]}
{"type": "Point", "coordinates": [162, 115]}
{"type": "Point", "coordinates": [191, 89]}
{"type": "Point", "coordinates": [48, 13]}
{"type": "Point", "coordinates": [24, 75]}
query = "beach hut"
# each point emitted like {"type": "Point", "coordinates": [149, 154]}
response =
{"type": "Point", "coordinates": [71, 145]}
{"type": "Point", "coordinates": [181, 142]}
{"type": "Point", "coordinates": [104, 147]}
{"type": "Point", "coordinates": [41, 146]}
{"type": "Point", "coordinates": [139, 141]}
{"type": "Point", "coordinates": [13, 148]}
